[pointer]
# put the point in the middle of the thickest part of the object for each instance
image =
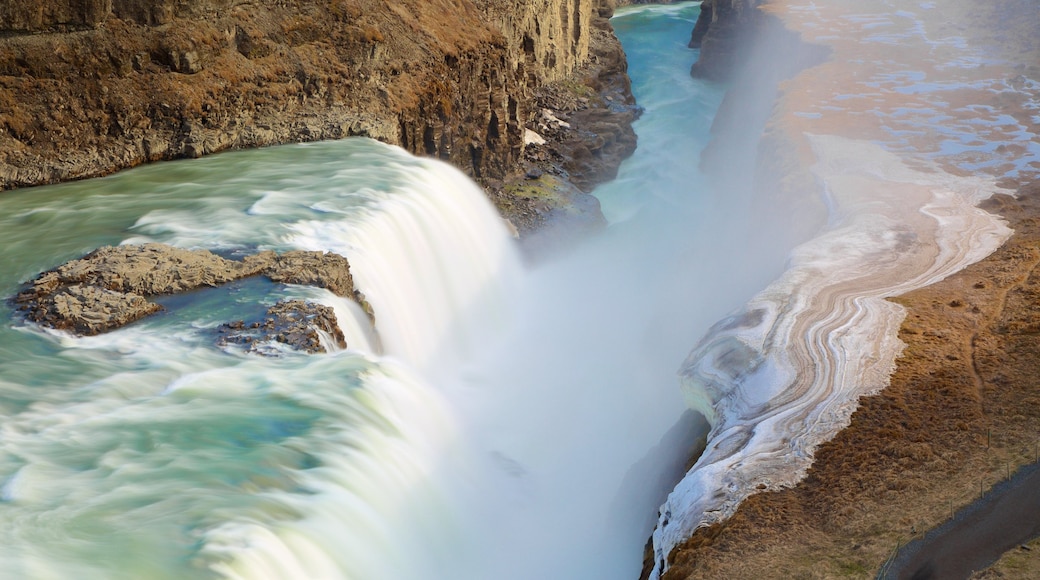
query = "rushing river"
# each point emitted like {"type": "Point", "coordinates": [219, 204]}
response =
{"type": "Point", "coordinates": [518, 423]}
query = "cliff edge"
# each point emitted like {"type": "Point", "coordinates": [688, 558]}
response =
{"type": "Point", "coordinates": [88, 87]}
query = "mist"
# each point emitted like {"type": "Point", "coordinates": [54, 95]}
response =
{"type": "Point", "coordinates": [577, 409]}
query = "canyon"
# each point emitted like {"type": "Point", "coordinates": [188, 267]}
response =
{"type": "Point", "coordinates": [531, 100]}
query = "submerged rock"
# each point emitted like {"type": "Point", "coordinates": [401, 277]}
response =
{"type": "Point", "coordinates": [303, 326]}
{"type": "Point", "coordinates": [109, 287]}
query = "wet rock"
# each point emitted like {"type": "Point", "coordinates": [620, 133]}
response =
{"type": "Point", "coordinates": [564, 213]}
{"type": "Point", "coordinates": [89, 310]}
{"type": "Point", "coordinates": [109, 287]}
{"type": "Point", "coordinates": [586, 126]}
{"type": "Point", "coordinates": [326, 270]}
{"type": "Point", "coordinates": [311, 268]}
{"type": "Point", "coordinates": [300, 325]}
{"type": "Point", "coordinates": [146, 269]}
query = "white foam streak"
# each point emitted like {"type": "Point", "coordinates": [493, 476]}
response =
{"type": "Point", "coordinates": [785, 375]}
{"type": "Point", "coordinates": [382, 449]}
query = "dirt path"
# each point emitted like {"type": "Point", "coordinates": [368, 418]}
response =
{"type": "Point", "coordinates": [975, 538]}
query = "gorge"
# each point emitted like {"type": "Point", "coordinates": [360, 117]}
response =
{"type": "Point", "coordinates": [154, 453]}
{"type": "Point", "coordinates": [508, 415]}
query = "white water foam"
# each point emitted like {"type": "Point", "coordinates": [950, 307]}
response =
{"type": "Point", "coordinates": [383, 493]}
{"type": "Point", "coordinates": [433, 259]}
{"type": "Point", "coordinates": [379, 506]}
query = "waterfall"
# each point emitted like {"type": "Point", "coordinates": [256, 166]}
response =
{"type": "Point", "coordinates": [512, 424]}
{"type": "Point", "coordinates": [432, 257]}
{"type": "Point", "coordinates": [159, 455]}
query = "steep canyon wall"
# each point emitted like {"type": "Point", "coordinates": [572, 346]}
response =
{"type": "Point", "coordinates": [88, 87]}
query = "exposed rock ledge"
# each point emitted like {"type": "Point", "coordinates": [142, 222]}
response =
{"type": "Point", "coordinates": [111, 286]}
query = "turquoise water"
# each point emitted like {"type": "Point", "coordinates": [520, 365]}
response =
{"type": "Point", "coordinates": [151, 453]}
{"type": "Point", "coordinates": [517, 422]}
{"type": "Point", "coordinates": [678, 110]}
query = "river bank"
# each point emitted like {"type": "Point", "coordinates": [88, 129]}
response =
{"type": "Point", "coordinates": [960, 412]}
{"type": "Point", "coordinates": [953, 96]}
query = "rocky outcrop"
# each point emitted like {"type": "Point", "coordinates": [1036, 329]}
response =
{"type": "Point", "coordinates": [88, 87]}
{"type": "Point", "coordinates": [577, 138]}
{"type": "Point", "coordinates": [721, 34]}
{"type": "Point", "coordinates": [110, 287]}
{"type": "Point", "coordinates": [307, 268]}
{"type": "Point", "coordinates": [589, 130]}
{"type": "Point", "coordinates": [302, 326]}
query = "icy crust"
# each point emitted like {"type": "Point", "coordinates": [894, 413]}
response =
{"type": "Point", "coordinates": [785, 375]}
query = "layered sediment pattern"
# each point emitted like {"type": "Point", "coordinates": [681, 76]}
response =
{"type": "Point", "coordinates": [911, 122]}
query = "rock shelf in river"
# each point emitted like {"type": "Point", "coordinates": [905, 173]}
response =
{"type": "Point", "coordinates": [111, 286]}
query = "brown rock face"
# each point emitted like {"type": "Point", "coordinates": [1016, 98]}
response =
{"type": "Point", "coordinates": [141, 81]}
{"type": "Point", "coordinates": [310, 268]}
{"type": "Point", "coordinates": [108, 288]}
{"type": "Point", "coordinates": [721, 32]}
{"type": "Point", "coordinates": [88, 310]}
{"type": "Point", "coordinates": [55, 15]}
{"type": "Point", "coordinates": [148, 269]}
{"type": "Point", "coordinates": [586, 129]}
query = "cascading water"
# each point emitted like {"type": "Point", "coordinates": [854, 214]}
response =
{"type": "Point", "coordinates": [511, 425]}
{"type": "Point", "coordinates": [435, 266]}
{"type": "Point", "coordinates": [149, 453]}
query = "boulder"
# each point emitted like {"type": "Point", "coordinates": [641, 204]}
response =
{"type": "Point", "coordinates": [89, 310]}
{"type": "Point", "coordinates": [303, 326]}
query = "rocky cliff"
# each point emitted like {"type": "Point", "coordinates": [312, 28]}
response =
{"type": "Point", "coordinates": [88, 87]}
{"type": "Point", "coordinates": [721, 33]}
